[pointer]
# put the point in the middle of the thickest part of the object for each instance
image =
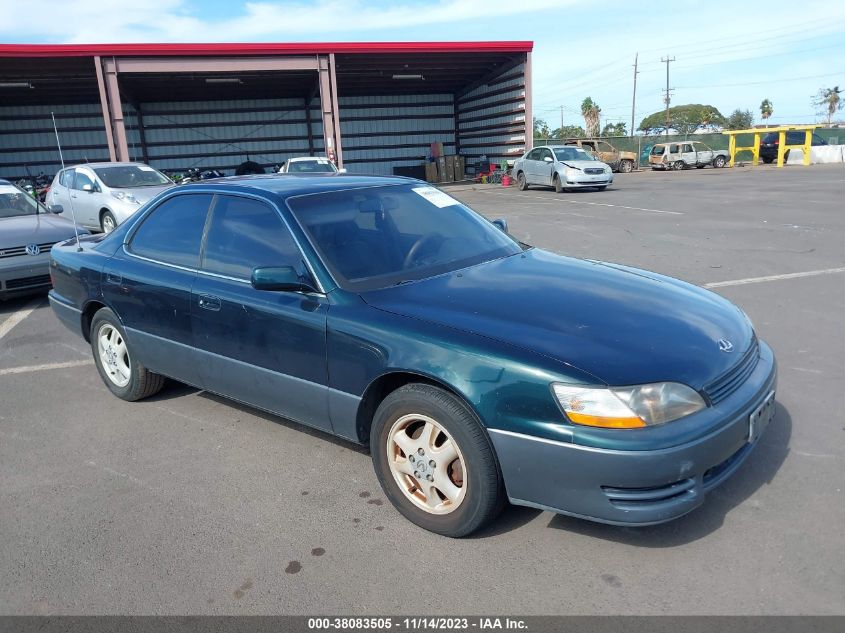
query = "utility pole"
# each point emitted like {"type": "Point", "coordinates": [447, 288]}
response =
{"type": "Point", "coordinates": [668, 96]}
{"type": "Point", "coordinates": [561, 119]}
{"type": "Point", "coordinates": [634, 102]}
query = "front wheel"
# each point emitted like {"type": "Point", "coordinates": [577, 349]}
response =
{"type": "Point", "coordinates": [678, 165]}
{"type": "Point", "coordinates": [558, 186]}
{"type": "Point", "coordinates": [123, 375]}
{"type": "Point", "coordinates": [521, 182]}
{"type": "Point", "coordinates": [719, 162]}
{"type": "Point", "coordinates": [435, 462]}
{"type": "Point", "coordinates": [626, 166]}
{"type": "Point", "coordinates": [107, 222]}
{"type": "Point", "coordinates": [602, 188]}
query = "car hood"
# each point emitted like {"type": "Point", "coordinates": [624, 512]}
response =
{"type": "Point", "coordinates": [583, 164]}
{"type": "Point", "coordinates": [144, 194]}
{"type": "Point", "coordinates": [34, 229]}
{"type": "Point", "coordinates": [623, 325]}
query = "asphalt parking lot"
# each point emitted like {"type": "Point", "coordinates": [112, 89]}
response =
{"type": "Point", "coordinates": [189, 504]}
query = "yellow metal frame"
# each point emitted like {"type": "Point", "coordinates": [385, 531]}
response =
{"type": "Point", "coordinates": [782, 146]}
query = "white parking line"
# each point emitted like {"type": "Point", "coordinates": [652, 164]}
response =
{"type": "Point", "coordinates": [32, 368]}
{"type": "Point", "coordinates": [19, 316]}
{"type": "Point", "coordinates": [757, 280]}
{"type": "Point", "coordinates": [595, 204]}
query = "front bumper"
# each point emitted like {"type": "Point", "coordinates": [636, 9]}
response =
{"type": "Point", "coordinates": [576, 183]}
{"type": "Point", "coordinates": [27, 275]}
{"type": "Point", "coordinates": [642, 487]}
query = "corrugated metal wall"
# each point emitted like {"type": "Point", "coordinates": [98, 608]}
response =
{"type": "Point", "coordinates": [27, 138]}
{"type": "Point", "coordinates": [491, 118]}
{"type": "Point", "coordinates": [223, 134]}
{"type": "Point", "coordinates": [379, 133]}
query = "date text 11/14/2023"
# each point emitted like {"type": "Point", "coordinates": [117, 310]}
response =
{"type": "Point", "coordinates": [417, 624]}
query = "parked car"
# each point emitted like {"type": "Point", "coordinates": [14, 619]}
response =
{"type": "Point", "coordinates": [686, 154]}
{"type": "Point", "coordinates": [27, 233]}
{"type": "Point", "coordinates": [477, 368]}
{"type": "Point", "coordinates": [769, 144]}
{"type": "Point", "coordinates": [102, 195]}
{"type": "Point", "coordinates": [309, 165]}
{"type": "Point", "coordinates": [618, 160]}
{"type": "Point", "coordinates": [562, 167]}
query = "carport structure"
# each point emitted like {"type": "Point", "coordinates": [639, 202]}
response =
{"type": "Point", "coordinates": [374, 108]}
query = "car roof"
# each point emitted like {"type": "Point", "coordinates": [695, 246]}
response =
{"type": "Point", "coordinates": [108, 164]}
{"type": "Point", "coordinates": [4, 182]}
{"type": "Point", "coordinates": [289, 185]}
{"type": "Point", "coordinates": [300, 158]}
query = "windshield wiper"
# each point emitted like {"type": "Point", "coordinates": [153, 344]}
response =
{"type": "Point", "coordinates": [570, 166]}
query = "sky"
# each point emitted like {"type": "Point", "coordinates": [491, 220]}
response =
{"type": "Point", "coordinates": [730, 54]}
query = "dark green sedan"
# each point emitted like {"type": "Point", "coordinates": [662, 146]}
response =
{"type": "Point", "coordinates": [478, 369]}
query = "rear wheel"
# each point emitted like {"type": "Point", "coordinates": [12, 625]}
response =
{"type": "Point", "coordinates": [435, 462]}
{"type": "Point", "coordinates": [107, 221]}
{"type": "Point", "coordinates": [626, 166]}
{"type": "Point", "coordinates": [558, 186]}
{"type": "Point", "coordinates": [123, 375]}
{"type": "Point", "coordinates": [521, 182]}
{"type": "Point", "coordinates": [719, 162]}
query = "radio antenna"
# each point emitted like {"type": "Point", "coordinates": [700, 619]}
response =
{"type": "Point", "coordinates": [58, 143]}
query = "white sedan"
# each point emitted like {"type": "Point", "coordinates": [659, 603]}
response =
{"type": "Point", "coordinates": [309, 165]}
{"type": "Point", "coordinates": [561, 167]}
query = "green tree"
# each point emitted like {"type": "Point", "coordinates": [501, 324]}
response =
{"type": "Point", "coordinates": [766, 110]}
{"type": "Point", "coordinates": [615, 129]}
{"type": "Point", "coordinates": [591, 113]}
{"type": "Point", "coordinates": [739, 120]}
{"type": "Point", "coordinates": [830, 100]}
{"type": "Point", "coordinates": [541, 129]}
{"type": "Point", "coordinates": [569, 131]}
{"type": "Point", "coordinates": [684, 119]}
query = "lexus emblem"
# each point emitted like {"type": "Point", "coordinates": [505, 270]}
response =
{"type": "Point", "coordinates": [32, 249]}
{"type": "Point", "coordinates": [725, 345]}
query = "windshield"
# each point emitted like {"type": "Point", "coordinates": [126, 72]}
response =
{"type": "Point", "coordinates": [14, 202]}
{"type": "Point", "coordinates": [318, 165]}
{"type": "Point", "coordinates": [572, 153]}
{"type": "Point", "coordinates": [131, 176]}
{"type": "Point", "coordinates": [382, 236]}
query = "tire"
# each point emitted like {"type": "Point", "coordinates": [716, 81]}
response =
{"type": "Point", "coordinates": [558, 186]}
{"type": "Point", "coordinates": [719, 162]}
{"type": "Point", "coordinates": [249, 167]}
{"type": "Point", "coordinates": [125, 378]}
{"type": "Point", "coordinates": [768, 160]}
{"type": "Point", "coordinates": [521, 182]}
{"type": "Point", "coordinates": [405, 417]}
{"type": "Point", "coordinates": [679, 165]}
{"type": "Point", "coordinates": [107, 221]}
{"type": "Point", "coordinates": [626, 166]}
{"type": "Point", "coordinates": [602, 188]}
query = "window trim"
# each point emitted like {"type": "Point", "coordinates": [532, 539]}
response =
{"type": "Point", "coordinates": [130, 234]}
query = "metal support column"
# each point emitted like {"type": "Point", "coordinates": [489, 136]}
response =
{"type": "Point", "coordinates": [529, 118]}
{"type": "Point", "coordinates": [104, 103]}
{"type": "Point", "coordinates": [327, 109]}
{"type": "Point", "coordinates": [336, 110]}
{"type": "Point", "coordinates": [121, 146]}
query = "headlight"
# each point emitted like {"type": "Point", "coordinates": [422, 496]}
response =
{"type": "Point", "coordinates": [627, 407]}
{"type": "Point", "coordinates": [125, 197]}
{"type": "Point", "coordinates": [607, 170]}
{"type": "Point", "coordinates": [570, 173]}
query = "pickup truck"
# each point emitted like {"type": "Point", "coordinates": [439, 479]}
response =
{"type": "Point", "coordinates": [619, 161]}
{"type": "Point", "coordinates": [686, 154]}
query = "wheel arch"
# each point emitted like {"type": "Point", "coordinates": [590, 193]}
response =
{"type": "Point", "coordinates": [387, 383]}
{"type": "Point", "coordinates": [91, 308]}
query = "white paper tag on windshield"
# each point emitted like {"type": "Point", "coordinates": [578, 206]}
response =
{"type": "Point", "coordinates": [145, 168]}
{"type": "Point", "coordinates": [435, 196]}
{"type": "Point", "coordinates": [323, 161]}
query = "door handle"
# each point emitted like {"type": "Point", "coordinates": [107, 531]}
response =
{"type": "Point", "coordinates": [113, 278]}
{"type": "Point", "coordinates": [209, 302]}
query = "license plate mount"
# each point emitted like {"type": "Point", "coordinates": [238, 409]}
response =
{"type": "Point", "coordinates": [760, 418]}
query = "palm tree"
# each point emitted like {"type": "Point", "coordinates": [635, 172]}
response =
{"type": "Point", "coordinates": [766, 109]}
{"type": "Point", "coordinates": [591, 112]}
{"type": "Point", "coordinates": [830, 100]}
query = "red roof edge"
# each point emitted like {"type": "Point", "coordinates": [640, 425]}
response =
{"type": "Point", "coordinates": [304, 48]}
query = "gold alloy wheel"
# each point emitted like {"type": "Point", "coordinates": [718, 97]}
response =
{"type": "Point", "coordinates": [426, 463]}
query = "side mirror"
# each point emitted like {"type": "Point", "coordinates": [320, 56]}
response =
{"type": "Point", "coordinates": [548, 159]}
{"type": "Point", "coordinates": [501, 224]}
{"type": "Point", "coordinates": [88, 188]}
{"type": "Point", "coordinates": [279, 278]}
{"type": "Point", "coordinates": [56, 208]}
{"type": "Point", "coordinates": [341, 171]}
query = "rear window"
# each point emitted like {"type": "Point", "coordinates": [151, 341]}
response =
{"type": "Point", "coordinates": [657, 150]}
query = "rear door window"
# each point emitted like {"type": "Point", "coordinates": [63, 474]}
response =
{"type": "Point", "coordinates": [172, 232]}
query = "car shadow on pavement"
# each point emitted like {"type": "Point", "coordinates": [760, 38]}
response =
{"type": "Point", "coordinates": [760, 469]}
